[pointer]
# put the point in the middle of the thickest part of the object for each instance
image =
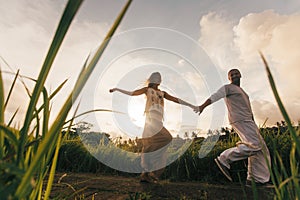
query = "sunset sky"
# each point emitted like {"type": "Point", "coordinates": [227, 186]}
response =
{"type": "Point", "coordinates": [193, 43]}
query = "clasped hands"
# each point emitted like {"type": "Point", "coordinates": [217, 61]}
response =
{"type": "Point", "coordinates": [198, 109]}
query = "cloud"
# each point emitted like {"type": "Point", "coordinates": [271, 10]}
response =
{"type": "Point", "coordinates": [217, 38]}
{"type": "Point", "coordinates": [238, 43]}
{"type": "Point", "coordinates": [29, 28]}
{"type": "Point", "coordinates": [255, 32]}
{"type": "Point", "coordinates": [265, 110]}
{"type": "Point", "coordinates": [195, 81]}
{"type": "Point", "coordinates": [278, 37]}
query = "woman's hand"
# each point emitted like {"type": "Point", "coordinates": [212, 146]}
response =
{"type": "Point", "coordinates": [113, 90]}
{"type": "Point", "coordinates": [131, 93]}
{"type": "Point", "coordinates": [193, 107]}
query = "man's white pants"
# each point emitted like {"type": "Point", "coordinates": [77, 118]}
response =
{"type": "Point", "coordinates": [258, 155]}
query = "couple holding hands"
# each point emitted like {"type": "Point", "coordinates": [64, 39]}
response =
{"type": "Point", "coordinates": [156, 137]}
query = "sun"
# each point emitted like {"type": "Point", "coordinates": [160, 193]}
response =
{"type": "Point", "coordinates": [136, 108]}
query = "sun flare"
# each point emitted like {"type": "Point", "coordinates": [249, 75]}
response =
{"type": "Point", "coordinates": [136, 108]}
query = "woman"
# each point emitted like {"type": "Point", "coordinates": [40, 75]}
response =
{"type": "Point", "coordinates": [155, 135]}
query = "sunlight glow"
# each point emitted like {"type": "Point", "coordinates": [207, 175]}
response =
{"type": "Point", "coordinates": [136, 108]}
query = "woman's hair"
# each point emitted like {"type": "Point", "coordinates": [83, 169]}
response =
{"type": "Point", "coordinates": [154, 79]}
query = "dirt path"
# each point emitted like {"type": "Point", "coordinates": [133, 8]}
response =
{"type": "Point", "coordinates": [94, 186]}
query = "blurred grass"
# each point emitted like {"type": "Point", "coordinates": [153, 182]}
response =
{"type": "Point", "coordinates": [285, 179]}
{"type": "Point", "coordinates": [27, 154]}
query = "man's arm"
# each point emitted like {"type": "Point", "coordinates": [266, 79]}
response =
{"type": "Point", "coordinates": [221, 93]}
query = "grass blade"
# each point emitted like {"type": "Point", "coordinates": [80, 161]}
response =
{"type": "Point", "coordinates": [2, 111]}
{"type": "Point", "coordinates": [56, 127]}
{"type": "Point", "coordinates": [46, 113]}
{"type": "Point", "coordinates": [12, 118]}
{"type": "Point", "coordinates": [11, 89]}
{"type": "Point", "coordinates": [280, 105]}
{"type": "Point", "coordinates": [292, 190]}
{"type": "Point", "coordinates": [53, 167]}
{"type": "Point", "coordinates": [57, 89]}
{"type": "Point", "coordinates": [64, 24]}
{"type": "Point", "coordinates": [54, 163]}
{"type": "Point", "coordinates": [10, 134]}
{"type": "Point", "coordinates": [52, 95]}
{"type": "Point", "coordinates": [91, 111]}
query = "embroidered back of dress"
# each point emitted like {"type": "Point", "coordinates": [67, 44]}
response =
{"type": "Point", "coordinates": [155, 101]}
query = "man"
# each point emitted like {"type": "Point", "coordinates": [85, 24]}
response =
{"type": "Point", "coordinates": [252, 145]}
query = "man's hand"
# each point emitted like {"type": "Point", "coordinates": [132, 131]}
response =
{"type": "Point", "coordinates": [201, 107]}
{"type": "Point", "coordinates": [196, 109]}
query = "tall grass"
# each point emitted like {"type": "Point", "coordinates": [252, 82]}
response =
{"type": "Point", "coordinates": [286, 184]}
{"type": "Point", "coordinates": [27, 154]}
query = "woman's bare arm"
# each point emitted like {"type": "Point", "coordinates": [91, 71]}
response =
{"type": "Point", "coordinates": [130, 93]}
{"type": "Point", "coordinates": [179, 101]}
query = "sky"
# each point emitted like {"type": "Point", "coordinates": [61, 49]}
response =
{"type": "Point", "coordinates": [192, 43]}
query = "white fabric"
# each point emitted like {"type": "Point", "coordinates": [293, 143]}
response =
{"type": "Point", "coordinates": [252, 145]}
{"type": "Point", "coordinates": [153, 124]}
{"type": "Point", "coordinates": [154, 112]}
{"type": "Point", "coordinates": [154, 152]}
{"type": "Point", "coordinates": [155, 136]}
{"type": "Point", "coordinates": [155, 101]}
{"type": "Point", "coordinates": [237, 102]}
{"type": "Point", "coordinates": [255, 150]}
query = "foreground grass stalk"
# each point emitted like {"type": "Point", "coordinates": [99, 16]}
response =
{"type": "Point", "coordinates": [46, 113]}
{"type": "Point", "coordinates": [55, 158]}
{"type": "Point", "coordinates": [49, 141]}
{"type": "Point", "coordinates": [281, 107]}
{"type": "Point", "coordinates": [11, 89]}
{"type": "Point", "coordinates": [290, 186]}
{"type": "Point", "coordinates": [52, 170]}
{"type": "Point", "coordinates": [1, 116]}
{"type": "Point", "coordinates": [65, 22]}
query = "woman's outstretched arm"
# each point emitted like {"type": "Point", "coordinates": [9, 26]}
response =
{"type": "Point", "coordinates": [131, 93]}
{"type": "Point", "coordinates": [177, 100]}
